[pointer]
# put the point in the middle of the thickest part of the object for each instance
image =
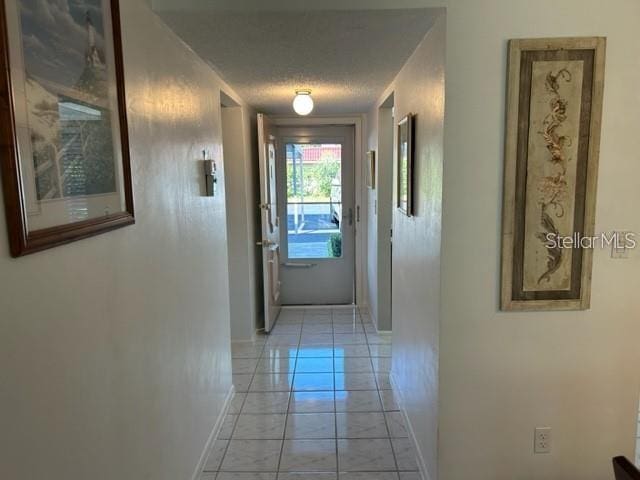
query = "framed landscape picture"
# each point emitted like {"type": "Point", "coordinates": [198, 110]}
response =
{"type": "Point", "coordinates": [405, 165]}
{"type": "Point", "coordinates": [371, 169]}
{"type": "Point", "coordinates": [554, 109]}
{"type": "Point", "coordinates": [63, 135]}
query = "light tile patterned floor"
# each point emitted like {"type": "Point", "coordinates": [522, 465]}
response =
{"type": "Point", "coordinates": [314, 402]}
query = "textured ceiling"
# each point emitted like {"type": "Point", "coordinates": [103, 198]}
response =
{"type": "Point", "coordinates": [346, 58]}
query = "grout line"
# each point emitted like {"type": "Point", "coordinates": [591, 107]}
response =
{"type": "Point", "coordinates": [293, 373]}
{"type": "Point", "coordinates": [335, 406]}
{"type": "Point", "coordinates": [286, 418]}
{"type": "Point", "coordinates": [226, 449]}
{"type": "Point", "coordinates": [246, 394]}
{"type": "Point", "coordinates": [253, 472]}
{"type": "Point", "coordinates": [320, 438]}
{"type": "Point", "coordinates": [393, 453]}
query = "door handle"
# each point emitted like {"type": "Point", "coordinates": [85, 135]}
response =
{"type": "Point", "coordinates": [349, 216]}
{"type": "Point", "coordinates": [266, 243]}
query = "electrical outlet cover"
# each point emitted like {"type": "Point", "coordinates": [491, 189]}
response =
{"type": "Point", "coordinates": [542, 440]}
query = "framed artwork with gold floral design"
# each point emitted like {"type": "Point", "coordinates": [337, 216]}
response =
{"type": "Point", "coordinates": [554, 110]}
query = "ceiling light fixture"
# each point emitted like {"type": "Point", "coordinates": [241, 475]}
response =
{"type": "Point", "coordinates": [303, 103]}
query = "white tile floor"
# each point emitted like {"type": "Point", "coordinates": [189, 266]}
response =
{"type": "Point", "coordinates": [314, 402]}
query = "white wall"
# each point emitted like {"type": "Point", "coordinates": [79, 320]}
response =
{"type": "Point", "coordinates": [114, 350]}
{"type": "Point", "coordinates": [502, 374]}
{"type": "Point", "coordinates": [371, 264]}
{"type": "Point", "coordinates": [379, 214]}
{"type": "Point", "coordinates": [239, 156]}
{"type": "Point", "coordinates": [419, 89]}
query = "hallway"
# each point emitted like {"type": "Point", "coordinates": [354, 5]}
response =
{"type": "Point", "coordinates": [314, 401]}
{"type": "Point", "coordinates": [301, 240]}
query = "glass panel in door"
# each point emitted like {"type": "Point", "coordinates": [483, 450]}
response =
{"type": "Point", "coordinates": [314, 200]}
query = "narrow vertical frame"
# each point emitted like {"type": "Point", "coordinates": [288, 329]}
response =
{"type": "Point", "coordinates": [519, 88]}
{"type": "Point", "coordinates": [407, 123]}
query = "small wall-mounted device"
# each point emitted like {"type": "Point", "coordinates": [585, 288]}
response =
{"type": "Point", "coordinates": [210, 175]}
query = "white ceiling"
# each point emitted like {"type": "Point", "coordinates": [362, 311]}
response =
{"type": "Point", "coordinates": [346, 57]}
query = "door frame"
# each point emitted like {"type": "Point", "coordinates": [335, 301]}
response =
{"type": "Point", "coordinates": [318, 134]}
{"type": "Point", "coordinates": [357, 121]}
{"type": "Point", "coordinates": [271, 250]}
{"type": "Point", "coordinates": [385, 194]}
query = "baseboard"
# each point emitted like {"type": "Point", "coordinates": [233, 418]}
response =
{"type": "Point", "coordinates": [340, 307]}
{"type": "Point", "coordinates": [374, 320]}
{"type": "Point", "coordinates": [422, 465]}
{"type": "Point", "coordinates": [214, 434]}
{"type": "Point", "coordinates": [316, 307]}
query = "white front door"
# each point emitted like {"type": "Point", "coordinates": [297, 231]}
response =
{"type": "Point", "coordinates": [270, 242]}
{"type": "Point", "coordinates": [316, 190]}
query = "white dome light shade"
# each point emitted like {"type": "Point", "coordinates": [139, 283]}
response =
{"type": "Point", "coordinates": [303, 103]}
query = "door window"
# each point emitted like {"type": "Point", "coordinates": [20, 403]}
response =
{"type": "Point", "coordinates": [314, 200]}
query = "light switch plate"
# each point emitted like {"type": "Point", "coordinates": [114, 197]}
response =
{"type": "Point", "coordinates": [620, 246]}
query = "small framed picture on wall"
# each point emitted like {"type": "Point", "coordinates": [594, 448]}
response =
{"type": "Point", "coordinates": [405, 165]}
{"type": "Point", "coordinates": [371, 169]}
